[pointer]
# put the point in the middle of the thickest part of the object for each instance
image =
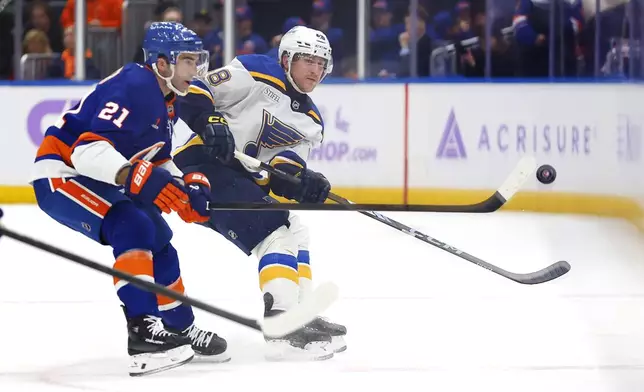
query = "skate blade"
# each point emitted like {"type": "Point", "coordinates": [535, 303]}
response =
{"type": "Point", "coordinates": [218, 358]}
{"type": "Point", "coordinates": [151, 363]}
{"type": "Point", "coordinates": [338, 344]}
{"type": "Point", "coordinates": [278, 351]}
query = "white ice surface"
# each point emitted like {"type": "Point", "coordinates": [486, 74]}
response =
{"type": "Point", "coordinates": [419, 319]}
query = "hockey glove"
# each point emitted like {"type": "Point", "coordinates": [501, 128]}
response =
{"type": "Point", "coordinates": [313, 187]}
{"type": "Point", "coordinates": [198, 188]}
{"type": "Point", "coordinates": [216, 137]}
{"type": "Point", "coordinates": [148, 184]}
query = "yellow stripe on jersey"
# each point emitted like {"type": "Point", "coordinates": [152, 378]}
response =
{"type": "Point", "coordinates": [194, 141]}
{"type": "Point", "coordinates": [198, 90]}
{"type": "Point", "coordinates": [277, 271]}
{"type": "Point", "coordinates": [269, 78]}
{"type": "Point", "coordinates": [314, 115]}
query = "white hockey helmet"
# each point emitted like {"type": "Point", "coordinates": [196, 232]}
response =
{"type": "Point", "coordinates": [302, 40]}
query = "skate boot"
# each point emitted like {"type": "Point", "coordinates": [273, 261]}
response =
{"type": "Point", "coordinates": [206, 345]}
{"type": "Point", "coordinates": [337, 332]}
{"type": "Point", "coordinates": [304, 344]}
{"type": "Point", "coordinates": [152, 348]}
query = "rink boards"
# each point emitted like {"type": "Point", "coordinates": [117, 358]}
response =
{"type": "Point", "coordinates": [426, 142]}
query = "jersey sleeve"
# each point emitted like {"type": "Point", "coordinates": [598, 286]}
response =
{"type": "Point", "coordinates": [228, 85]}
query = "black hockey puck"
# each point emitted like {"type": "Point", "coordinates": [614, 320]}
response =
{"type": "Point", "coordinates": [546, 174]}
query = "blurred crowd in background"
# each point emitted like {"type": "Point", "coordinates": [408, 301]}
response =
{"type": "Point", "coordinates": [454, 38]}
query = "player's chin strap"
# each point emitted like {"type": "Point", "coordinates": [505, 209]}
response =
{"type": "Point", "coordinates": [291, 81]}
{"type": "Point", "coordinates": [168, 80]}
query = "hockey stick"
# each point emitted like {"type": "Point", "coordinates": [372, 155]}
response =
{"type": "Point", "coordinates": [544, 275]}
{"type": "Point", "coordinates": [522, 171]}
{"type": "Point", "coordinates": [303, 313]}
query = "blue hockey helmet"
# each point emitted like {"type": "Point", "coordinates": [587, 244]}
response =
{"type": "Point", "coordinates": [170, 40]}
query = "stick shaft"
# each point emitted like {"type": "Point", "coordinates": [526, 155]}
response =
{"type": "Point", "coordinates": [152, 287]}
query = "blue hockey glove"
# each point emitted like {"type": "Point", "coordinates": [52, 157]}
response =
{"type": "Point", "coordinates": [198, 188]}
{"type": "Point", "coordinates": [216, 136]}
{"type": "Point", "coordinates": [313, 187]}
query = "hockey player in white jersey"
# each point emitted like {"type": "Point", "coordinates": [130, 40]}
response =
{"type": "Point", "coordinates": [264, 104]}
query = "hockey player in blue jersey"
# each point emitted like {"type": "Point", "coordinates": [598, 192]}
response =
{"type": "Point", "coordinates": [105, 170]}
{"type": "Point", "coordinates": [265, 104]}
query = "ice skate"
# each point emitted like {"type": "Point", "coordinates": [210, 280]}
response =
{"type": "Point", "coordinates": [207, 345]}
{"type": "Point", "coordinates": [304, 344]}
{"type": "Point", "coordinates": [337, 332]}
{"type": "Point", "coordinates": [152, 348]}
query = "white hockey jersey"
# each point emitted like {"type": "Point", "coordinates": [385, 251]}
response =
{"type": "Point", "coordinates": [265, 115]}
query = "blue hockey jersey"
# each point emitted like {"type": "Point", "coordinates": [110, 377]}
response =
{"type": "Point", "coordinates": [126, 112]}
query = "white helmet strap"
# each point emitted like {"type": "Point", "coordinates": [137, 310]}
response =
{"type": "Point", "coordinates": [168, 80]}
{"type": "Point", "coordinates": [289, 76]}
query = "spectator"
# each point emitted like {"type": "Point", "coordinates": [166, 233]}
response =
{"type": "Point", "coordinates": [443, 29]}
{"type": "Point", "coordinates": [423, 45]}
{"type": "Point", "coordinates": [383, 40]}
{"type": "Point", "coordinates": [201, 23]}
{"type": "Point", "coordinates": [213, 41]}
{"type": "Point", "coordinates": [40, 17]}
{"type": "Point", "coordinates": [321, 20]}
{"type": "Point", "coordinates": [350, 68]}
{"type": "Point", "coordinates": [275, 41]}
{"type": "Point", "coordinates": [172, 13]}
{"type": "Point", "coordinates": [36, 41]}
{"type": "Point", "coordinates": [218, 15]}
{"type": "Point", "coordinates": [532, 30]}
{"type": "Point", "coordinates": [614, 47]}
{"type": "Point", "coordinates": [464, 28]}
{"type": "Point", "coordinates": [101, 13]}
{"type": "Point", "coordinates": [65, 66]}
{"type": "Point", "coordinates": [247, 41]}
{"type": "Point", "coordinates": [503, 58]}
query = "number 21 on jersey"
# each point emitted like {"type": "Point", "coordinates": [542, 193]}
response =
{"type": "Point", "coordinates": [108, 112]}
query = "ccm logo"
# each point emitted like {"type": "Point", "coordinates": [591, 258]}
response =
{"type": "Point", "coordinates": [216, 120]}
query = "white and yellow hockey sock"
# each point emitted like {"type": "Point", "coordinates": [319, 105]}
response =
{"type": "Point", "coordinates": [304, 273]}
{"type": "Point", "coordinates": [278, 269]}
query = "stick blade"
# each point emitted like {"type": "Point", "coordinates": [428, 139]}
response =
{"type": "Point", "coordinates": [547, 274]}
{"type": "Point", "coordinates": [522, 171]}
{"type": "Point", "coordinates": [303, 313]}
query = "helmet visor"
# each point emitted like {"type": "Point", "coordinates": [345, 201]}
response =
{"type": "Point", "coordinates": [326, 64]}
{"type": "Point", "coordinates": [200, 59]}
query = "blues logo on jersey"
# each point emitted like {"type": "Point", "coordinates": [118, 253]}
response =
{"type": "Point", "coordinates": [273, 133]}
